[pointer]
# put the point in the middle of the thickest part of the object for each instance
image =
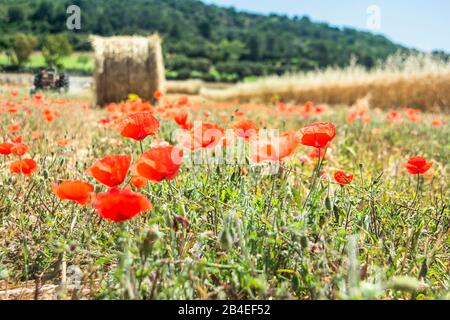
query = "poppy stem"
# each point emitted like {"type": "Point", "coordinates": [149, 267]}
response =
{"type": "Point", "coordinates": [417, 189]}
{"type": "Point", "coordinates": [315, 176]}
{"type": "Point", "coordinates": [142, 147]}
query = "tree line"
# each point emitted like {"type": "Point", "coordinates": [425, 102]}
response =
{"type": "Point", "coordinates": [200, 41]}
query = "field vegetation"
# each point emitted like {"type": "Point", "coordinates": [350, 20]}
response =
{"type": "Point", "coordinates": [333, 203]}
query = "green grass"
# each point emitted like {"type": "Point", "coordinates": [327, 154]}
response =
{"type": "Point", "coordinates": [251, 236]}
{"type": "Point", "coordinates": [79, 62]}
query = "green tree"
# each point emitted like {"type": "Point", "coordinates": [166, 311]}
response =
{"type": "Point", "coordinates": [55, 47]}
{"type": "Point", "coordinates": [23, 47]}
{"type": "Point", "coordinates": [16, 14]}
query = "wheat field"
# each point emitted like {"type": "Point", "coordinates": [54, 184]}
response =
{"type": "Point", "coordinates": [418, 81]}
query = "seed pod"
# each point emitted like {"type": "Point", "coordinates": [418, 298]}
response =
{"type": "Point", "coordinates": [328, 203]}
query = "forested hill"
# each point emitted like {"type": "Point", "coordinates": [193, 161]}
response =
{"type": "Point", "coordinates": [202, 40]}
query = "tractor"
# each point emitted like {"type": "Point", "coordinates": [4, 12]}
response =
{"type": "Point", "coordinates": [50, 79]}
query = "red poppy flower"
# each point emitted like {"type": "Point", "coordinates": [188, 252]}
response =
{"type": "Point", "coordinates": [121, 205]}
{"type": "Point", "coordinates": [38, 96]}
{"type": "Point", "coordinates": [12, 108]}
{"type": "Point", "coordinates": [104, 121]}
{"type": "Point", "coordinates": [139, 182]}
{"type": "Point", "coordinates": [274, 148]}
{"type": "Point", "coordinates": [18, 139]}
{"type": "Point", "coordinates": [436, 123]}
{"type": "Point", "coordinates": [139, 125]}
{"type": "Point", "coordinates": [74, 190]}
{"type": "Point", "coordinates": [19, 149]}
{"type": "Point", "coordinates": [245, 129]}
{"type": "Point", "coordinates": [394, 116]}
{"type": "Point", "coordinates": [158, 95]}
{"type": "Point", "coordinates": [207, 135]}
{"type": "Point", "coordinates": [14, 128]}
{"type": "Point", "coordinates": [417, 165]}
{"type": "Point", "coordinates": [182, 101]}
{"type": "Point", "coordinates": [159, 163]}
{"type": "Point", "coordinates": [318, 135]}
{"type": "Point", "coordinates": [201, 135]}
{"type": "Point", "coordinates": [112, 170]}
{"type": "Point", "coordinates": [343, 178]}
{"type": "Point", "coordinates": [5, 148]}
{"type": "Point", "coordinates": [62, 142]}
{"type": "Point", "coordinates": [181, 120]}
{"type": "Point", "coordinates": [26, 167]}
{"type": "Point", "coordinates": [36, 135]}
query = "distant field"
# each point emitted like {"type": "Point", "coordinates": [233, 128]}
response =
{"type": "Point", "coordinates": [416, 81]}
{"type": "Point", "coordinates": [421, 82]}
{"type": "Point", "coordinates": [78, 62]}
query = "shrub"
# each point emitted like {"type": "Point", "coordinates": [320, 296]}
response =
{"type": "Point", "coordinates": [55, 47]}
{"type": "Point", "coordinates": [23, 47]}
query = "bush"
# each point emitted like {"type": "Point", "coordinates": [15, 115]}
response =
{"type": "Point", "coordinates": [23, 47]}
{"type": "Point", "coordinates": [55, 47]}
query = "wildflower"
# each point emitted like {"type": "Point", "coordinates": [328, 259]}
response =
{"type": "Point", "coordinates": [19, 149]}
{"type": "Point", "coordinates": [182, 101]}
{"type": "Point", "coordinates": [5, 148]}
{"type": "Point", "coordinates": [111, 170]}
{"type": "Point", "coordinates": [318, 135]}
{"type": "Point", "coordinates": [139, 125]}
{"type": "Point", "coordinates": [139, 182]}
{"type": "Point", "coordinates": [62, 142]}
{"type": "Point", "coordinates": [245, 129]}
{"type": "Point", "coordinates": [412, 114]}
{"type": "Point", "coordinates": [26, 167]}
{"type": "Point", "coordinates": [120, 205]}
{"type": "Point", "coordinates": [181, 120]}
{"type": "Point", "coordinates": [36, 135]}
{"type": "Point", "coordinates": [204, 135]}
{"type": "Point", "coordinates": [158, 95]}
{"type": "Point", "coordinates": [159, 163]}
{"type": "Point", "coordinates": [274, 148]}
{"type": "Point", "coordinates": [14, 128]}
{"type": "Point", "coordinates": [436, 123]}
{"type": "Point", "coordinates": [18, 139]}
{"type": "Point", "coordinates": [417, 165]}
{"type": "Point", "coordinates": [74, 190]}
{"type": "Point", "coordinates": [343, 178]}
{"type": "Point", "coordinates": [394, 116]}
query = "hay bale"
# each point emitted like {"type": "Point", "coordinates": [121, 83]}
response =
{"type": "Point", "coordinates": [127, 64]}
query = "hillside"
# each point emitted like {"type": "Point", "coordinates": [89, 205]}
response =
{"type": "Point", "coordinates": [203, 41]}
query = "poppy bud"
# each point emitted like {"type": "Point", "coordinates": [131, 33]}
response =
{"type": "Point", "coordinates": [225, 239]}
{"type": "Point", "coordinates": [151, 236]}
{"type": "Point", "coordinates": [328, 203]}
{"type": "Point", "coordinates": [423, 270]}
{"type": "Point", "coordinates": [304, 242]}
{"type": "Point", "coordinates": [185, 223]}
{"type": "Point", "coordinates": [407, 284]}
{"type": "Point", "coordinates": [336, 213]}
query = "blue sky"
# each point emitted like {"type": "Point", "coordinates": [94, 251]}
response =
{"type": "Point", "coordinates": [421, 24]}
